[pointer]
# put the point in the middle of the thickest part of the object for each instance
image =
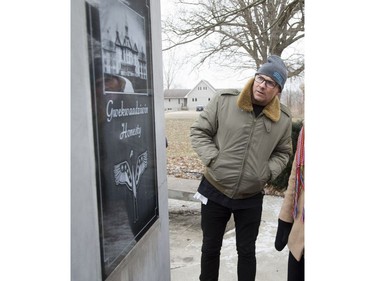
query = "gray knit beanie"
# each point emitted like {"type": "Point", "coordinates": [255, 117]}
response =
{"type": "Point", "coordinates": [276, 69]}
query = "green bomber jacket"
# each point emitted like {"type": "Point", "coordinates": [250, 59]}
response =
{"type": "Point", "coordinates": [242, 152]}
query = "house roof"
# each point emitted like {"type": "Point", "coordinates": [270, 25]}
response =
{"type": "Point", "coordinates": [184, 93]}
{"type": "Point", "coordinates": [208, 83]}
{"type": "Point", "coordinates": [175, 93]}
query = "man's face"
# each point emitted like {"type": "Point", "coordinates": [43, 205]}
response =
{"type": "Point", "coordinates": [264, 90]}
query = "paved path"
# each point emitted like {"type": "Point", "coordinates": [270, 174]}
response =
{"type": "Point", "coordinates": [186, 237]}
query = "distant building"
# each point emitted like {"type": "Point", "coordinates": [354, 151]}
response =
{"type": "Point", "coordinates": [175, 99]}
{"type": "Point", "coordinates": [188, 99]}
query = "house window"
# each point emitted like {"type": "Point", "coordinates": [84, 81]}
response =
{"type": "Point", "coordinates": [178, 101]}
{"type": "Point", "coordinates": [209, 99]}
{"type": "Point", "coordinates": [192, 99]}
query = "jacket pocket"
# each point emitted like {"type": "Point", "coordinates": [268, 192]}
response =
{"type": "Point", "coordinates": [223, 170]}
{"type": "Point", "coordinates": [265, 175]}
{"type": "Point", "coordinates": [212, 163]}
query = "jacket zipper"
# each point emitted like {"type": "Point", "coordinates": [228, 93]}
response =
{"type": "Point", "coordinates": [246, 152]}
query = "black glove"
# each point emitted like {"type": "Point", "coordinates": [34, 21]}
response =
{"type": "Point", "coordinates": [283, 230]}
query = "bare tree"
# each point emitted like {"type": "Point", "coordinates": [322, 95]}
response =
{"type": "Point", "coordinates": [302, 99]}
{"type": "Point", "coordinates": [242, 32]}
{"type": "Point", "coordinates": [171, 67]}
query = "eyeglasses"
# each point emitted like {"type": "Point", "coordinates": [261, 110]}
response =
{"type": "Point", "coordinates": [269, 84]}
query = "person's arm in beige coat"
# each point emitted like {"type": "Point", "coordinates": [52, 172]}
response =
{"type": "Point", "coordinates": [291, 230]}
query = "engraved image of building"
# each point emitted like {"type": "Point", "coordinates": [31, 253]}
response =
{"type": "Point", "coordinates": [122, 57]}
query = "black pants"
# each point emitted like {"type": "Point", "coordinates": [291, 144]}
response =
{"type": "Point", "coordinates": [296, 269]}
{"type": "Point", "coordinates": [214, 221]}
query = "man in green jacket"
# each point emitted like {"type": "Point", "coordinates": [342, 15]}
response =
{"type": "Point", "coordinates": [244, 140]}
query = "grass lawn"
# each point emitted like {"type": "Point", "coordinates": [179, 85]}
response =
{"type": "Point", "coordinates": [182, 161]}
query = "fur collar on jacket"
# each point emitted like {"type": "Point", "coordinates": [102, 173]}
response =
{"type": "Point", "coordinates": [271, 110]}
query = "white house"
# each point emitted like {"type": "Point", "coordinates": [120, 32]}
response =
{"type": "Point", "coordinates": [186, 99]}
{"type": "Point", "coordinates": [201, 94]}
{"type": "Point", "coordinates": [174, 99]}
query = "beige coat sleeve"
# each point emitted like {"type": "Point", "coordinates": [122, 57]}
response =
{"type": "Point", "coordinates": [286, 212]}
{"type": "Point", "coordinates": [296, 241]}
